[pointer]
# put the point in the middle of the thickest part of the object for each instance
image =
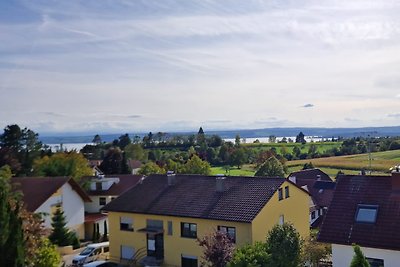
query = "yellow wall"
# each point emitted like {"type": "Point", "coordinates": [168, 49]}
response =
{"type": "Point", "coordinates": [175, 245]}
{"type": "Point", "coordinates": [295, 210]}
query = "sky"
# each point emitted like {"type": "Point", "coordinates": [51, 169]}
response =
{"type": "Point", "coordinates": [138, 65]}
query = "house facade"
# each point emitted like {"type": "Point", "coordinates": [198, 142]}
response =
{"type": "Point", "coordinates": [102, 190]}
{"type": "Point", "coordinates": [365, 210]}
{"type": "Point", "coordinates": [159, 220]}
{"type": "Point", "coordinates": [45, 195]}
{"type": "Point", "coordinates": [321, 188]}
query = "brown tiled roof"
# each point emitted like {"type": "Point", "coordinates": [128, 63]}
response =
{"type": "Point", "coordinates": [36, 190]}
{"type": "Point", "coordinates": [126, 182]}
{"type": "Point", "coordinates": [320, 190]}
{"type": "Point", "coordinates": [339, 226]}
{"type": "Point", "coordinates": [196, 196]}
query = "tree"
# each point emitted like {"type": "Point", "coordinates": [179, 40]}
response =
{"type": "Point", "coordinates": [96, 139]}
{"type": "Point", "coordinates": [251, 256]}
{"type": "Point", "coordinates": [47, 255]}
{"type": "Point", "coordinates": [5, 172]}
{"type": "Point", "coordinates": [312, 151]}
{"type": "Point", "coordinates": [284, 244]}
{"type": "Point", "coordinates": [313, 251]}
{"type": "Point", "coordinates": [271, 168]}
{"type": "Point", "coordinates": [217, 248]}
{"type": "Point", "coordinates": [22, 145]}
{"type": "Point", "coordinates": [114, 162]}
{"type": "Point", "coordinates": [71, 164]}
{"type": "Point", "coordinates": [359, 259]}
{"type": "Point", "coordinates": [238, 157]}
{"type": "Point", "coordinates": [300, 138]}
{"type": "Point", "coordinates": [12, 251]}
{"type": "Point", "coordinates": [196, 166]}
{"type": "Point", "coordinates": [272, 139]}
{"type": "Point", "coordinates": [124, 140]}
{"type": "Point", "coordinates": [151, 168]}
{"type": "Point", "coordinates": [308, 166]}
{"type": "Point", "coordinates": [60, 236]}
{"type": "Point", "coordinates": [296, 152]}
{"type": "Point", "coordinates": [237, 140]}
{"type": "Point", "coordinates": [135, 151]}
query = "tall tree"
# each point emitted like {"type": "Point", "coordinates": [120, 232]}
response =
{"type": "Point", "coordinates": [124, 140]}
{"type": "Point", "coordinates": [151, 168]}
{"type": "Point", "coordinates": [217, 249]}
{"type": "Point", "coordinates": [359, 259]}
{"type": "Point", "coordinates": [284, 244]}
{"type": "Point", "coordinates": [96, 139]}
{"type": "Point", "coordinates": [300, 138]}
{"type": "Point", "coordinates": [254, 255]}
{"type": "Point", "coordinates": [271, 168]}
{"type": "Point", "coordinates": [12, 252]}
{"type": "Point", "coordinates": [114, 162]}
{"type": "Point", "coordinates": [135, 151]}
{"type": "Point", "coordinates": [60, 236]}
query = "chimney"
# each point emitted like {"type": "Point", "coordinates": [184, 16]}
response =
{"type": "Point", "coordinates": [171, 178]}
{"type": "Point", "coordinates": [220, 183]}
{"type": "Point", "coordinates": [292, 179]}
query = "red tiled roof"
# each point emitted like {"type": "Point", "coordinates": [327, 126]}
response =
{"type": "Point", "coordinates": [196, 196]}
{"type": "Point", "coordinates": [126, 182]}
{"type": "Point", "coordinates": [320, 190]}
{"type": "Point", "coordinates": [339, 226]}
{"type": "Point", "coordinates": [94, 217]}
{"type": "Point", "coordinates": [36, 190]}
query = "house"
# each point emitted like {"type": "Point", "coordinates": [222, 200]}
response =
{"type": "Point", "coordinates": [45, 194]}
{"type": "Point", "coordinates": [365, 210]}
{"type": "Point", "coordinates": [134, 165]}
{"type": "Point", "coordinates": [103, 189]}
{"type": "Point", "coordinates": [321, 188]}
{"type": "Point", "coordinates": [160, 218]}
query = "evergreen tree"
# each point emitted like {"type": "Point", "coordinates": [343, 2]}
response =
{"type": "Point", "coordinates": [12, 252]}
{"type": "Point", "coordinates": [359, 258]}
{"type": "Point", "coordinates": [60, 235]}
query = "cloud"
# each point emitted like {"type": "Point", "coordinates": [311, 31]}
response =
{"type": "Point", "coordinates": [308, 106]}
{"type": "Point", "coordinates": [394, 115]}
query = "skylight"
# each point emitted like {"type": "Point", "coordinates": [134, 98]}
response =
{"type": "Point", "coordinates": [366, 213]}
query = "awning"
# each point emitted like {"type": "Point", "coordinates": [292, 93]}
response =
{"type": "Point", "coordinates": [94, 217]}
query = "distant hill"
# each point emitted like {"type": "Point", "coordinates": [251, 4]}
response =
{"type": "Point", "coordinates": [244, 133]}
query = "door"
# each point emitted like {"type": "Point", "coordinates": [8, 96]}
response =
{"type": "Point", "coordinates": [155, 245]}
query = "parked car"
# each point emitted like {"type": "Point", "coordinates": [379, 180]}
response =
{"type": "Point", "coordinates": [91, 253]}
{"type": "Point", "coordinates": [101, 264]}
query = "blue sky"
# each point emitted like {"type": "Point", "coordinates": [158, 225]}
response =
{"type": "Point", "coordinates": [114, 66]}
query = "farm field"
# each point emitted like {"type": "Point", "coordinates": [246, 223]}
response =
{"type": "Point", "coordinates": [244, 171]}
{"type": "Point", "coordinates": [288, 147]}
{"type": "Point", "coordinates": [381, 162]}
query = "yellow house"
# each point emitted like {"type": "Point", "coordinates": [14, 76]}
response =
{"type": "Point", "coordinates": [157, 222]}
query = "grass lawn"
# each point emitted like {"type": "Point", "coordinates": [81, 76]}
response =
{"type": "Point", "coordinates": [244, 171]}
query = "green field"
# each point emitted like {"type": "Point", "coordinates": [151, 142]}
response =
{"type": "Point", "coordinates": [288, 147]}
{"type": "Point", "coordinates": [244, 171]}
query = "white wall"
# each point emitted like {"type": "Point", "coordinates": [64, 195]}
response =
{"type": "Point", "coordinates": [72, 205]}
{"type": "Point", "coordinates": [94, 207]}
{"type": "Point", "coordinates": [342, 255]}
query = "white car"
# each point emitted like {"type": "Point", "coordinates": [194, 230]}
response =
{"type": "Point", "coordinates": [101, 264]}
{"type": "Point", "coordinates": [92, 252]}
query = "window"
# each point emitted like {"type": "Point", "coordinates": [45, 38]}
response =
{"type": "Point", "coordinates": [127, 252]}
{"type": "Point", "coordinates": [112, 198]}
{"type": "Point", "coordinates": [286, 191]}
{"type": "Point", "coordinates": [313, 215]}
{"type": "Point", "coordinates": [169, 228]}
{"type": "Point", "coordinates": [189, 230]}
{"type": "Point", "coordinates": [229, 231]}
{"type": "Point", "coordinates": [375, 262]}
{"type": "Point", "coordinates": [189, 261]}
{"type": "Point", "coordinates": [281, 220]}
{"type": "Point", "coordinates": [280, 193]}
{"type": "Point", "coordinates": [126, 224]}
{"type": "Point", "coordinates": [366, 213]}
{"type": "Point", "coordinates": [102, 201]}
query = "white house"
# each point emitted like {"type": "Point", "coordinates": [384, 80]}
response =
{"type": "Point", "coordinates": [102, 190]}
{"type": "Point", "coordinates": [365, 210]}
{"type": "Point", "coordinates": [45, 195]}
